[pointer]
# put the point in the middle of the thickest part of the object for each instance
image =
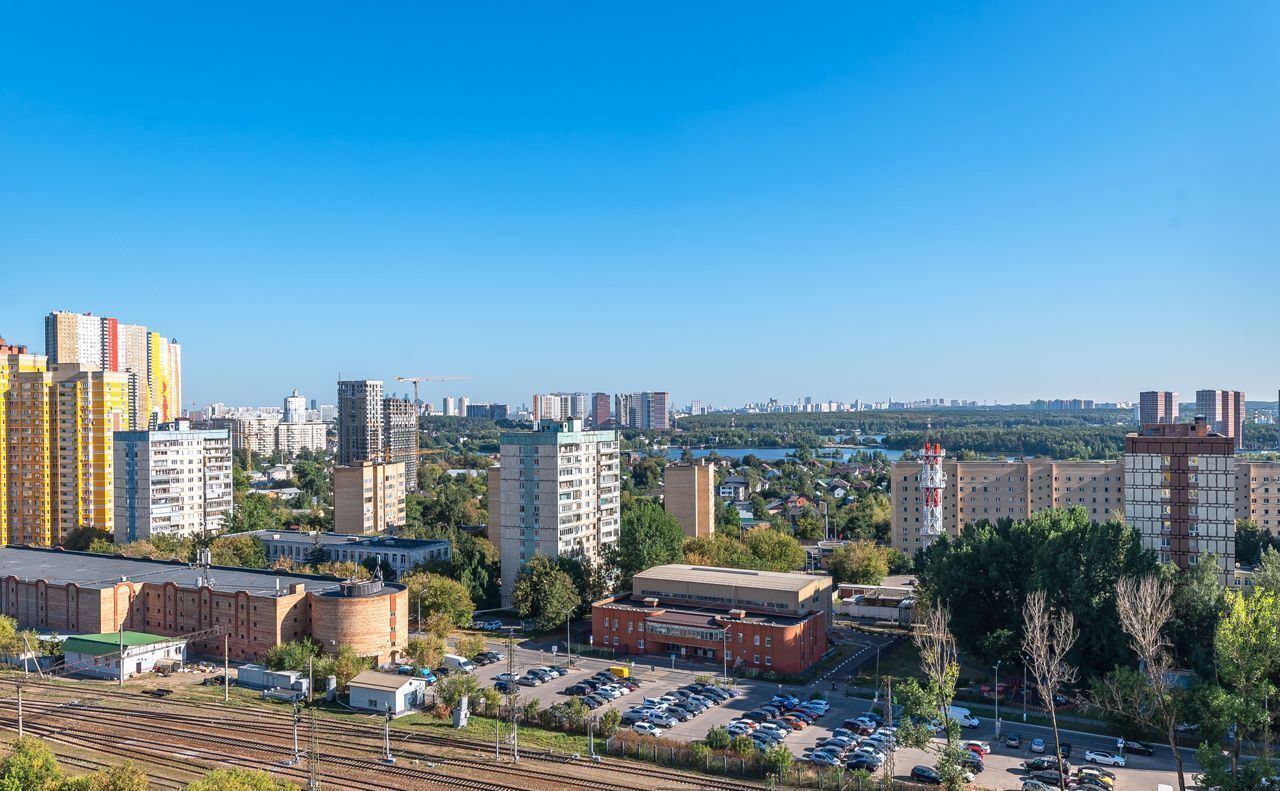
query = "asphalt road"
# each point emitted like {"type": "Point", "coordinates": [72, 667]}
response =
{"type": "Point", "coordinates": [1002, 770]}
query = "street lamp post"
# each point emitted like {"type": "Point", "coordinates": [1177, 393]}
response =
{"type": "Point", "coordinates": [724, 652]}
{"type": "Point", "coordinates": [996, 690]}
{"type": "Point", "coordinates": [1024, 689]}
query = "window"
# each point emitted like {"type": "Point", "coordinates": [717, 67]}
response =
{"type": "Point", "coordinates": [757, 640]}
{"type": "Point", "coordinates": [768, 660]}
{"type": "Point", "coordinates": [756, 660]}
{"type": "Point", "coordinates": [768, 641]}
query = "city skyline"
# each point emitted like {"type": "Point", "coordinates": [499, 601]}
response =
{"type": "Point", "coordinates": [826, 189]}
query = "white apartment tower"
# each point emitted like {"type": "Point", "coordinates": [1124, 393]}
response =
{"type": "Point", "coordinates": [175, 481]}
{"type": "Point", "coordinates": [557, 490]}
{"type": "Point", "coordinates": [295, 408]}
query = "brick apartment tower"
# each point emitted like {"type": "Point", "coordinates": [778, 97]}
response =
{"type": "Point", "coordinates": [1157, 406]}
{"type": "Point", "coordinates": [1224, 411]}
{"type": "Point", "coordinates": [1180, 492]}
{"type": "Point", "coordinates": [689, 495]}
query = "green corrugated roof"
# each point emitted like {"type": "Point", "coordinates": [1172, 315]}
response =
{"type": "Point", "coordinates": [109, 642]}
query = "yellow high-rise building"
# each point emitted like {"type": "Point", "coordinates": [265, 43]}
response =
{"type": "Point", "coordinates": [14, 360]}
{"type": "Point", "coordinates": [57, 429]}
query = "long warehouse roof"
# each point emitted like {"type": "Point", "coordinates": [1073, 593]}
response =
{"type": "Point", "coordinates": [89, 570]}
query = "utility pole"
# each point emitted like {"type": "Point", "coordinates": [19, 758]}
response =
{"type": "Point", "coordinates": [386, 737]}
{"type": "Point", "coordinates": [313, 756]}
{"type": "Point", "coordinates": [512, 693]}
{"type": "Point", "coordinates": [311, 683]}
{"type": "Point", "coordinates": [996, 690]}
{"type": "Point", "coordinates": [568, 645]}
{"type": "Point", "coordinates": [120, 634]}
{"type": "Point", "coordinates": [19, 685]}
{"type": "Point", "coordinates": [888, 718]}
{"type": "Point", "coordinates": [297, 756]}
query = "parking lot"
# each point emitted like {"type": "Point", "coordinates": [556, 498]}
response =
{"type": "Point", "coordinates": [1002, 766]}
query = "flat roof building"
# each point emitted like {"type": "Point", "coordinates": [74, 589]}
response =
{"type": "Point", "coordinates": [368, 497]}
{"type": "Point", "coordinates": [301, 547]}
{"type": "Point", "coordinates": [688, 494]}
{"type": "Point", "coordinates": [740, 619]}
{"type": "Point", "coordinates": [74, 592]}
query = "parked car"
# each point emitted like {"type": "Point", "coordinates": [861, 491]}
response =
{"type": "Point", "coordinates": [1013, 741]}
{"type": "Point", "coordinates": [632, 716]}
{"type": "Point", "coordinates": [591, 702]}
{"type": "Point", "coordinates": [1103, 757]}
{"type": "Point", "coordinates": [529, 681]}
{"type": "Point", "coordinates": [979, 747]}
{"type": "Point", "coordinates": [502, 686]}
{"type": "Point", "coordinates": [1138, 748]}
{"type": "Point", "coordinates": [867, 763]}
{"type": "Point", "coordinates": [577, 689]}
{"type": "Point", "coordinates": [823, 759]}
{"type": "Point", "coordinates": [1030, 784]}
{"type": "Point", "coordinates": [1045, 762]}
{"type": "Point", "coordinates": [679, 713]}
{"type": "Point", "coordinates": [739, 729]}
{"type": "Point", "coordinates": [1093, 773]}
{"type": "Point", "coordinates": [646, 729]}
{"type": "Point", "coordinates": [926, 775]}
{"type": "Point", "coordinates": [1037, 745]}
{"type": "Point", "coordinates": [786, 700]}
{"type": "Point", "coordinates": [973, 763]}
{"type": "Point", "coordinates": [1050, 776]}
{"type": "Point", "coordinates": [662, 719]}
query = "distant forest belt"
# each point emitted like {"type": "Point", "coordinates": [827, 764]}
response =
{"type": "Point", "coordinates": [888, 422]}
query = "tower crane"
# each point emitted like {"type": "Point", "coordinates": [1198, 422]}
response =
{"type": "Point", "coordinates": [418, 379]}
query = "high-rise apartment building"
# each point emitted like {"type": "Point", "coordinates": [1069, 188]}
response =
{"type": "Point", "coordinates": [647, 410]}
{"type": "Point", "coordinates": [360, 428]}
{"type": "Point", "coordinates": [557, 490]}
{"type": "Point", "coordinates": [560, 406]}
{"type": "Point", "coordinates": [368, 497]}
{"type": "Point", "coordinates": [295, 408]}
{"type": "Point", "coordinates": [1157, 406]}
{"type": "Point", "coordinates": [153, 362]}
{"type": "Point", "coordinates": [1224, 411]}
{"type": "Point", "coordinates": [449, 406]}
{"type": "Point", "coordinates": [1180, 492]}
{"type": "Point", "coordinates": [15, 360]}
{"type": "Point", "coordinates": [293, 438]}
{"type": "Point", "coordinates": [172, 481]}
{"type": "Point", "coordinates": [400, 437]}
{"type": "Point", "coordinates": [600, 410]}
{"type": "Point", "coordinates": [57, 434]}
{"type": "Point", "coordinates": [688, 494]}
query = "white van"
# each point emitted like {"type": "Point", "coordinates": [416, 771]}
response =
{"type": "Point", "coordinates": [455, 662]}
{"type": "Point", "coordinates": [962, 716]}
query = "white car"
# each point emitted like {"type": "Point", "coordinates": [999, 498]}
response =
{"type": "Point", "coordinates": [662, 720]}
{"type": "Point", "coordinates": [1104, 758]}
{"type": "Point", "coordinates": [983, 748]}
{"type": "Point", "coordinates": [646, 729]}
{"type": "Point", "coordinates": [739, 729]}
{"type": "Point", "coordinates": [816, 705]}
{"type": "Point", "coordinates": [608, 692]}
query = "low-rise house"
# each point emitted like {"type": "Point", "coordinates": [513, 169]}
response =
{"type": "Point", "coordinates": [374, 690]}
{"type": "Point", "coordinates": [99, 655]}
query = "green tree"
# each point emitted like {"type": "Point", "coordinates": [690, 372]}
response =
{"type": "Point", "coordinates": [292, 655]}
{"type": "Point", "coordinates": [544, 593]}
{"type": "Point", "coordinates": [442, 595]}
{"type": "Point", "coordinates": [778, 760]}
{"type": "Point", "coordinates": [590, 577]}
{"type": "Point", "coordinates": [774, 550]}
{"type": "Point", "coordinates": [246, 551]}
{"type": "Point", "coordinates": [30, 766]}
{"type": "Point", "coordinates": [609, 722]}
{"type": "Point", "coordinates": [122, 777]}
{"type": "Point", "coordinates": [1197, 605]}
{"type": "Point", "coordinates": [425, 652]}
{"type": "Point", "coordinates": [1266, 576]}
{"type": "Point", "coordinates": [859, 562]}
{"type": "Point", "coordinates": [728, 521]}
{"type": "Point", "coordinates": [718, 738]}
{"type": "Point", "coordinates": [648, 537]}
{"type": "Point", "coordinates": [256, 512]}
{"type": "Point", "coordinates": [986, 573]}
{"type": "Point", "coordinates": [1247, 649]}
{"type": "Point", "coordinates": [239, 780]}
{"type": "Point", "coordinates": [470, 645]}
{"type": "Point", "coordinates": [454, 687]}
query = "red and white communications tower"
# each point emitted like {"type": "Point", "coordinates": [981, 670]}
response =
{"type": "Point", "coordinates": [932, 481]}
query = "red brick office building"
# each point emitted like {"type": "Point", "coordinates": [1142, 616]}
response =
{"type": "Point", "coordinates": [760, 620]}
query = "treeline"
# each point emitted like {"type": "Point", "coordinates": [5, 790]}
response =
{"type": "Point", "coordinates": [889, 421]}
{"type": "Point", "coordinates": [1080, 442]}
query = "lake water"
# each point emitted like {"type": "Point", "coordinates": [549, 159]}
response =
{"type": "Point", "coordinates": [773, 454]}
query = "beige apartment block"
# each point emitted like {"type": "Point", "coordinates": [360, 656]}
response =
{"type": "Point", "coordinates": [1258, 493]}
{"type": "Point", "coordinates": [992, 490]}
{"type": "Point", "coordinates": [689, 496]}
{"type": "Point", "coordinates": [368, 497]}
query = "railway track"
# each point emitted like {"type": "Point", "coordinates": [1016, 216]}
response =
{"type": "Point", "coordinates": [255, 720]}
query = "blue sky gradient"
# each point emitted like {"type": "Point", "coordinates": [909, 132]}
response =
{"type": "Point", "coordinates": [727, 201]}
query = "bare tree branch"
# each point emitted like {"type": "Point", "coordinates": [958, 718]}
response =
{"type": "Point", "coordinates": [1145, 606]}
{"type": "Point", "coordinates": [1046, 639]}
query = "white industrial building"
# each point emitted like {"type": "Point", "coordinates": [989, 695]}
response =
{"type": "Point", "coordinates": [376, 691]}
{"type": "Point", "coordinates": [97, 655]}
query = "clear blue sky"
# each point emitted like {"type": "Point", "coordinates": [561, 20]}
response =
{"type": "Point", "coordinates": [728, 201]}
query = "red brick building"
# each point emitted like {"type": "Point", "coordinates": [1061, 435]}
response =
{"type": "Point", "coordinates": [759, 620]}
